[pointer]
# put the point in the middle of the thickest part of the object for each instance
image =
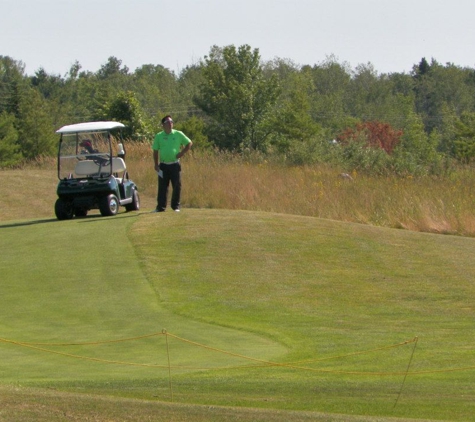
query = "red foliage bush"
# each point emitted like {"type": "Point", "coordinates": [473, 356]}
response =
{"type": "Point", "coordinates": [375, 134]}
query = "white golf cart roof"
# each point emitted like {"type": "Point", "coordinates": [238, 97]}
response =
{"type": "Point", "coordinates": [90, 127]}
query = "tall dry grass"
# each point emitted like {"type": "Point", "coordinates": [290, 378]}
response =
{"type": "Point", "coordinates": [220, 180]}
{"type": "Point", "coordinates": [211, 180]}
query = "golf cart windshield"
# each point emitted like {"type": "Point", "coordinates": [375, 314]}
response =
{"type": "Point", "coordinates": [85, 150]}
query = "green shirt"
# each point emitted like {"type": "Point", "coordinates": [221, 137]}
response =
{"type": "Point", "coordinates": [169, 145]}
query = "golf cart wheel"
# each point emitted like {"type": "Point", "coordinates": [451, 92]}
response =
{"type": "Point", "coordinates": [135, 204]}
{"type": "Point", "coordinates": [109, 205]}
{"type": "Point", "coordinates": [63, 210]}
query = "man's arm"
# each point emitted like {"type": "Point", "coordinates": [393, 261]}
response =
{"type": "Point", "coordinates": [184, 150]}
{"type": "Point", "coordinates": [156, 157]}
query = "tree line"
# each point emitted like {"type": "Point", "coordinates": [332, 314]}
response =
{"type": "Point", "coordinates": [409, 123]}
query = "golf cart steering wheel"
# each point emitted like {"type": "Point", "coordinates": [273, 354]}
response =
{"type": "Point", "coordinates": [102, 161]}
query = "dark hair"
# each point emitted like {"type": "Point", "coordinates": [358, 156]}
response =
{"type": "Point", "coordinates": [166, 118]}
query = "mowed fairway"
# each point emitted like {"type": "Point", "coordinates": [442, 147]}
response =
{"type": "Point", "coordinates": [261, 310]}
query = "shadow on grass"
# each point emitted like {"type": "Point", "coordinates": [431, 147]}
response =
{"type": "Point", "coordinates": [94, 218]}
{"type": "Point", "coordinates": [87, 219]}
{"type": "Point", "coordinates": [27, 223]}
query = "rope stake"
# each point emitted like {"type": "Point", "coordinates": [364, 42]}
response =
{"type": "Point", "coordinates": [169, 365]}
{"type": "Point", "coordinates": [407, 370]}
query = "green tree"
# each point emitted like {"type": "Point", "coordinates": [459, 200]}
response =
{"type": "Point", "coordinates": [112, 68]}
{"type": "Point", "coordinates": [70, 99]}
{"type": "Point", "coordinates": [35, 127]}
{"type": "Point", "coordinates": [12, 84]}
{"type": "Point", "coordinates": [373, 97]}
{"type": "Point", "coordinates": [126, 109]}
{"type": "Point", "coordinates": [237, 97]}
{"type": "Point", "coordinates": [329, 103]}
{"type": "Point", "coordinates": [104, 86]}
{"type": "Point", "coordinates": [437, 86]}
{"type": "Point", "coordinates": [194, 128]}
{"type": "Point", "coordinates": [448, 130]}
{"type": "Point", "coordinates": [9, 149]}
{"type": "Point", "coordinates": [417, 153]}
{"type": "Point", "coordinates": [155, 88]}
{"type": "Point", "coordinates": [464, 144]}
{"type": "Point", "coordinates": [47, 84]}
{"type": "Point", "coordinates": [189, 82]}
{"type": "Point", "coordinates": [30, 111]}
{"type": "Point", "coordinates": [83, 94]}
{"type": "Point", "coordinates": [291, 120]}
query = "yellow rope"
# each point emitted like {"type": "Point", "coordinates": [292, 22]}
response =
{"type": "Point", "coordinates": [34, 347]}
{"type": "Point", "coordinates": [80, 357]}
{"type": "Point", "coordinates": [360, 353]}
{"type": "Point", "coordinates": [260, 363]}
{"type": "Point", "coordinates": [286, 365]}
{"type": "Point", "coordinates": [88, 343]}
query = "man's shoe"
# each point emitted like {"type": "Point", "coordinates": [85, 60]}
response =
{"type": "Point", "coordinates": [177, 210]}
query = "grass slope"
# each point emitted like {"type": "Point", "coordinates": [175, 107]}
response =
{"type": "Point", "coordinates": [304, 292]}
{"type": "Point", "coordinates": [79, 281]}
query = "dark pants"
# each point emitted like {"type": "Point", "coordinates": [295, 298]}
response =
{"type": "Point", "coordinates": [171, 173]}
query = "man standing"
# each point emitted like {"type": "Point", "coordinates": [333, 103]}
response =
{"type": "Point", "coordinates": [168, 147]}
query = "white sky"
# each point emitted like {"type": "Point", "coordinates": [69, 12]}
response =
{"type": "Point", "coordinates": [393, 35]}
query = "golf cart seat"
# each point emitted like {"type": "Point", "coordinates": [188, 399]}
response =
{"type": "Point", "coordinates": [118, 165]}
{"type": "Point", "coordinates": [91, 168]}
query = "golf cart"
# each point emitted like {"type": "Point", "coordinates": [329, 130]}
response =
{"type": "Point", "coordinates": [92, 172]}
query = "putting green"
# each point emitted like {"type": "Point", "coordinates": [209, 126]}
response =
{"type": "Point", "coordinates": [80, 281]}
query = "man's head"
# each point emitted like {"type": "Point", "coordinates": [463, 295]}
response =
{"type": "Point", "coordinates": [87, 145]}
{"type": "Point", "coordinates": [167, 123]}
